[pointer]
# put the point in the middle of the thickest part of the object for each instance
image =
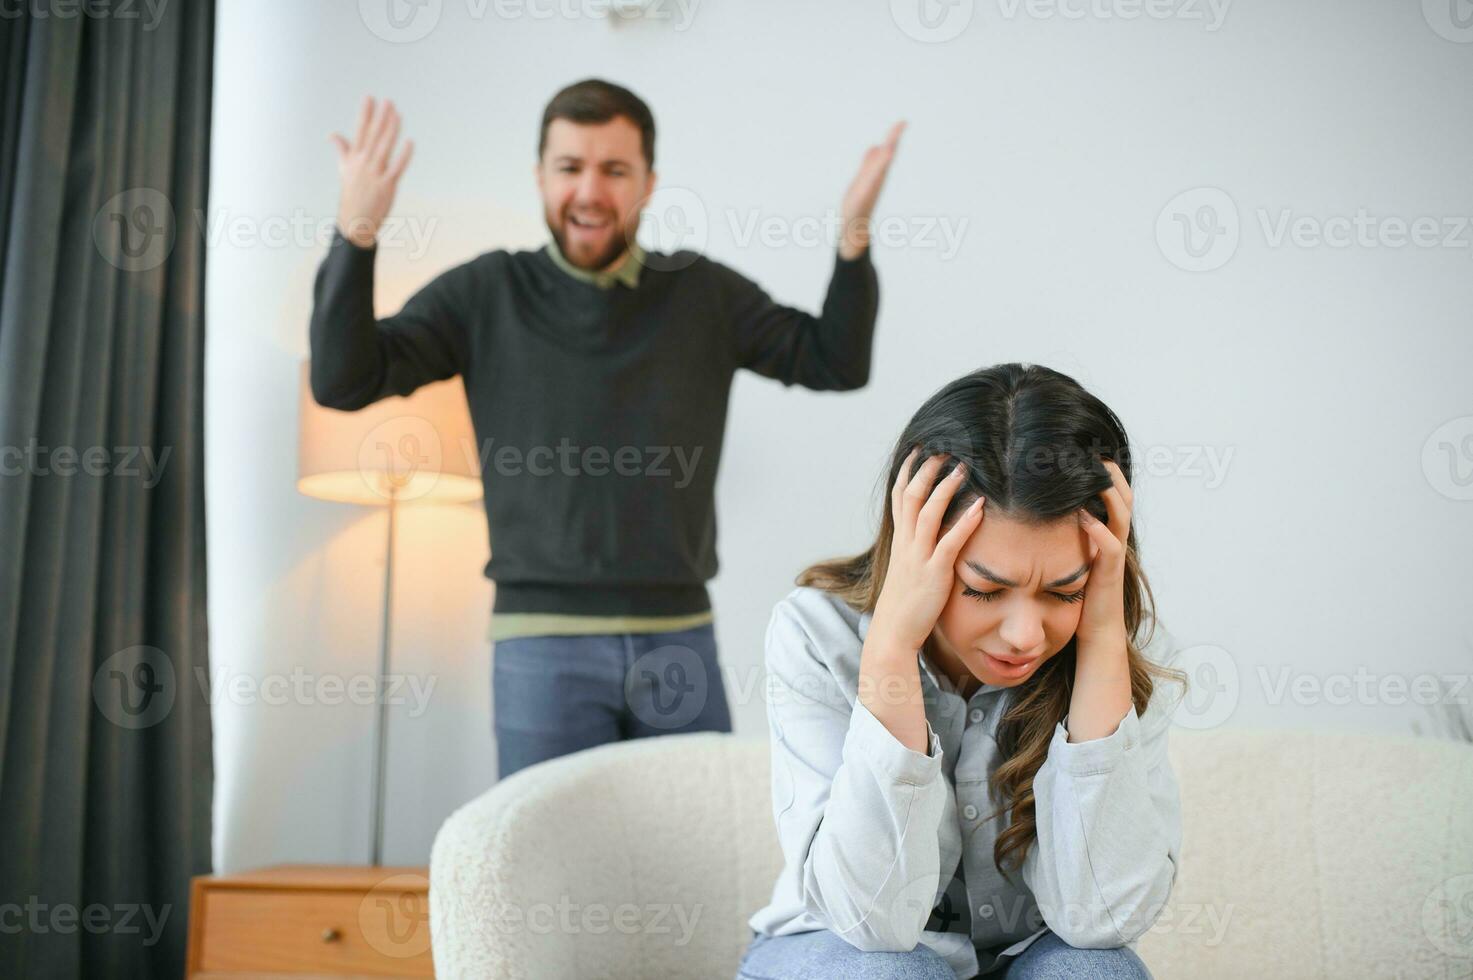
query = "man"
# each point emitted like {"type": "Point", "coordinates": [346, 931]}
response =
{"type": "Point", "coordinates": [598, 378]}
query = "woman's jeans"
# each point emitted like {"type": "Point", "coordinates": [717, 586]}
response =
{"type": "Point", "coordinates": [822, 955]}
{"type": "Point", "coordinates": [553, 695]}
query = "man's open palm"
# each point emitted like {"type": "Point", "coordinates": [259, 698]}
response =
{"type": "Point", "coordinates": [859, 200]}
{"type": "Point", "coordinates": [369, 178]}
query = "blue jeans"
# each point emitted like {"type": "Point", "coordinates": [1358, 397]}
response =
{"type": "Point", "coordinates": [554, 695]}
{"type": "Point", "coordinates": [822, 955]}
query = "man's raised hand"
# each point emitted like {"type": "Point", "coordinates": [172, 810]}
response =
{"type": "Point", "coordinates": [859, 200]}
{"type": "Point", "coordinates": [369, 172]}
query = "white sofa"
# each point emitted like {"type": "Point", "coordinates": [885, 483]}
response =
{"type": "Point", "coordinates": [1304, 855]}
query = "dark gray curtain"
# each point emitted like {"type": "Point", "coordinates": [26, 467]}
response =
{"type": "Point", "coordinates": [105, 767]}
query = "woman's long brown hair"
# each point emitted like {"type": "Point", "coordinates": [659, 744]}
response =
{"type": "Point", "coordinates": [1033, 441]}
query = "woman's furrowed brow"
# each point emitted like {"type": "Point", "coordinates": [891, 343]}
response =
{"type": "Point", "coordinates": [992, 576]}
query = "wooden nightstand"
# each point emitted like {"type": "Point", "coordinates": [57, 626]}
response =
{"type": "Point", "coordinates": [322, 920]}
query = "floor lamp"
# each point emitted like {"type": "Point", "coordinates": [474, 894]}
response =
{"type": "Point", "coordinates": [395, 452]}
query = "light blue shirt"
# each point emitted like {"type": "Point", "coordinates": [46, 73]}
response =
{"type": "Point", "coordinates": [873, 833]}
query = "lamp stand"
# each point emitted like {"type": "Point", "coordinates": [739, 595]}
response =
{"type": "Point", "coordinates": [381, 726]}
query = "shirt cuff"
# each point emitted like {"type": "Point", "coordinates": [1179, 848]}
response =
{"type": "Point", "coordinates": [1097, 755]}
{"type": "Point", "coordinates": [343, 241]}
{"type": "Point", "coordinates": [873, 742]}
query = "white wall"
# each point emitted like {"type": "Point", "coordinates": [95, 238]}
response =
{"type": "Point", "coordinates": [1056, 143]}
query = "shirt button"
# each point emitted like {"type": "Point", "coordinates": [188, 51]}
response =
{"type": "Point", "coordinates": [976, 716]}
{"type": "Point", "coordinates": [969, 811]}
{"type": "Point", "coordinates": [985, 911]}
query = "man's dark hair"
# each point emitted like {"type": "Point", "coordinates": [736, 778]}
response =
{"type": "Point", "coordinates": [594, 101]}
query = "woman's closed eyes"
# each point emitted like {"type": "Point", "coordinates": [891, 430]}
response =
{"type": "Point", "coordinates": [972, 593]}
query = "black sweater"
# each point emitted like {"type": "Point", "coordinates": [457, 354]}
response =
{"type": "Point", "coordinates": [599, 413]}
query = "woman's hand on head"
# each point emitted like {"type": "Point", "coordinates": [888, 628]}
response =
{"type": "Point", "coordinates": [922, 569]}
{"type": "Point", "coordinates": [1102, 622]}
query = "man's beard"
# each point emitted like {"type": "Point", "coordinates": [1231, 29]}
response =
{"type": "Point", "coordinates": [618, 245]}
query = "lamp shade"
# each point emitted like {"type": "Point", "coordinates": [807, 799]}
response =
{"type": "Point", "coordinates": [416, 449]}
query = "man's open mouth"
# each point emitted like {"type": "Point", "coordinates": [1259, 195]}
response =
{"type": "Point", "coordinates": [588, 222]}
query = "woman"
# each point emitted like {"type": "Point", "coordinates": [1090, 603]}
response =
{"type": "Point", "coordinates": [969, 764]}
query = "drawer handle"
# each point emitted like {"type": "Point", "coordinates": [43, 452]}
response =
{"type": "Point", "coordinates": [331, 934]}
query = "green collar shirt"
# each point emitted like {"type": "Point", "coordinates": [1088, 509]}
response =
{"type": "Point", "coordinates": [626, 272]}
